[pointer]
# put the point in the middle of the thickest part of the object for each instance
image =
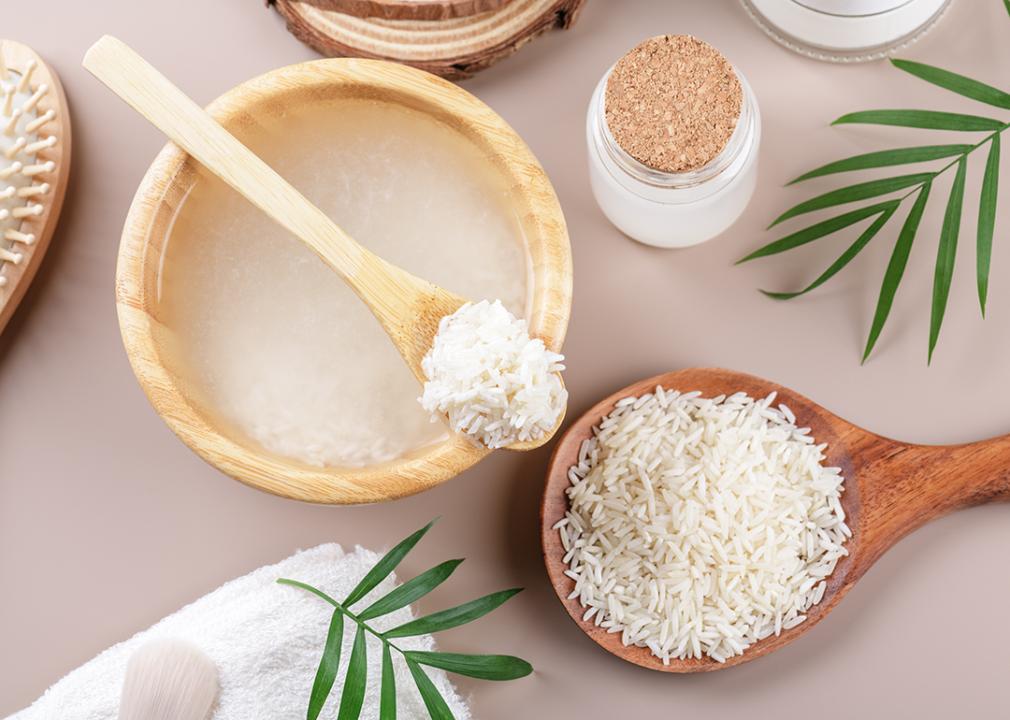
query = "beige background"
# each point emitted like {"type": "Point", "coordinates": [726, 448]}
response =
{"type": "Point", "coordinates": [107, 522]}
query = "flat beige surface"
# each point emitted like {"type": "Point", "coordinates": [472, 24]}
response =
{"type": "Point", "coordinates": [107, 522]}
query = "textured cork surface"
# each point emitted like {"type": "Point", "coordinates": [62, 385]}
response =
{"type": "Point", "coordinates": [673, 102]}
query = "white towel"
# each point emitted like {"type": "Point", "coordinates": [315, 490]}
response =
{"type": "Point", "coordinates": [266, 640]}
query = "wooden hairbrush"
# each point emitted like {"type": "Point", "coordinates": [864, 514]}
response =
{"type": "Point", "coordinates": [34, 165]}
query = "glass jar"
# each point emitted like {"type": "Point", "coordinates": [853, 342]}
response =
{"type": "Point", "coordinates": [673, 209]}
{"type": "Point", "coordinates": [846, 30]}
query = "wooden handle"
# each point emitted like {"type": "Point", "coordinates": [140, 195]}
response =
{"type": "Point", "coordinates": [152, 95]}
{"type": "Point", "coordinates": [905, 486]}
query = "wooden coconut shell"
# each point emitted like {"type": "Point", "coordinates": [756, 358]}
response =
{"type": "Point", "coordinates": [455, 48]}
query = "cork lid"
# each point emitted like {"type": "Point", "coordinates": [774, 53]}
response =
{"type": "Point", "coordinates": [673, 102]}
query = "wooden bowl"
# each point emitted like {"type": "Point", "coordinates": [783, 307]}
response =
{"type": "Point", "coordinates": [150, 344]}
{"type": "Point", "coordinates": [824, 427]}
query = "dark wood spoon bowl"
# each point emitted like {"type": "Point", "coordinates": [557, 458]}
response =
{"type": "Point", "coordinates": [891, 489]}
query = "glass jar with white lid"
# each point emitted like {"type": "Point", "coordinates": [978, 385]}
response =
{"type": "Point", "coordinates": [673, 209]}
{"type": "Point", "coordinates": [846, 30]}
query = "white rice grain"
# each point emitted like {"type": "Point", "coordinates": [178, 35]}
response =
{"type": "Point", "coordinates": [494, 382]}
{"type": "Point", "coordinates": [697, 527]}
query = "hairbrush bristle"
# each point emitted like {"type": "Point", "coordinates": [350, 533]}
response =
{"type": "Point", "coordinates": [22, 139]}
{"type": "Point", "coordinates": [168, 680]}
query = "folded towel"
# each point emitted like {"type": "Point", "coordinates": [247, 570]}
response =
{"type": "Point", "coordinates": [266, 640]}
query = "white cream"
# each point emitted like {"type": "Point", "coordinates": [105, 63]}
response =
{"type": "Point", "coordinates": [275, 343]}
{"type": "Point", "coordinates": [845, 30]}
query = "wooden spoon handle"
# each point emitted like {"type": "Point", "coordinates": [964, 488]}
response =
{"type": "Point", "coordinates": [152, 95]}
{"type": "Point", "coordinates": [409, 308]}
{"type": "Point", "coordinates": [905, 486]}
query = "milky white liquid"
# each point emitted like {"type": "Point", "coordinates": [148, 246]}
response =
{"type": "Point", "coordinates": [858, 29]}
{"type": "Point", "coordinates": [272, 339]}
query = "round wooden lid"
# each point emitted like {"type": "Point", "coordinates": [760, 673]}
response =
{"type": "Point", "coordinates": [411, 9]}
{"type": "Point", "coordinates": [453, 48]}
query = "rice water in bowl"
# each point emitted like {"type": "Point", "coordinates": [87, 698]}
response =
{"type": "Point", "coordinates": [276, 342]}
{"type": "Point", "coordinates": [268, 349]}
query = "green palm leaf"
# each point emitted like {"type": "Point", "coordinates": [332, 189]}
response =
{"type": "Point", "coordinates": [494, 667]}
{"type": "Point", "coordinates": [314, 591]}
{"type": "Point", "coordinates": [881, 212]}
{"type": "Point", "coordinates": [955, 83]}
{"type": "Point", "coordinates": [482, 667]}
{"type": "Point", "coordinates": [946, 253]}
{"type": "Point", "coordinates": [987, 220]}
{"type": "Point", "coordinates": [385, 566]}
{"type": "Point", "coordinates": [896, 268]}
{"type": "Point", "coordinates": [853, 193]}
{"type": "Point", "coordinates": [410, 591]}
{"type": "Point", "coordinates": [926, 119]}
{"type": "Point", "coordinates": [328, 666]}
{"type": "Point", "coordinates": [886, 158]}
{"type": "Point", "coordinates": [433, 701]}
{"type": "Point", "coordinates": [453, 617]}
{"type": "Point", "coordinates": [844, 259]}
{"type": "Point", "coordinates": [387, 694]}
{"type": "Point", "coordinates": [356, 680]}
{"type": "Point", "coordinates": [817, 231]}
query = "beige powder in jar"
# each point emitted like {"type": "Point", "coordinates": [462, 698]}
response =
{"type": "Point", "coordinates": [673, 102]}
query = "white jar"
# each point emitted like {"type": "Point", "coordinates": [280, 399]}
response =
{"type": "Point", "coordinates": [673, 209]}
{"type": "Point", "coordinates": [846, 30]}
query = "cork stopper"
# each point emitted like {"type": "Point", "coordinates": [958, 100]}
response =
{"type": "Point", "coordinates": [673, 102]}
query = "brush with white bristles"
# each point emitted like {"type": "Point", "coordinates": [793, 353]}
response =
{"type": "Point", "coordinates": [168, 680]}
{"type": "Point", "coordinates": [34, 142]}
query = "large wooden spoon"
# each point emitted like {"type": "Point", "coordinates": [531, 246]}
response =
{"type": "Point", "coordinates": [409, 308]}
{"type": "Point", "coordinates": [891, 488]}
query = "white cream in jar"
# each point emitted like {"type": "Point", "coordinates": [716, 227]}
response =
{"type": "Point", "coordinates": [846, 30]}
{"type": "Point", "coordinates": [673, 131]}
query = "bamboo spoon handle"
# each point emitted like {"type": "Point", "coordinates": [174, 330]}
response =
{"type": "Point", "coordinates": [169, 109]}
{"type": "Point", "coordinates": [408, 307]}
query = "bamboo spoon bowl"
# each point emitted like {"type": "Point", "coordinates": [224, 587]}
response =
{"type": "Point", "coordinates": [149, 342]}
{"type": "Point", "coordinates": [891, 489]}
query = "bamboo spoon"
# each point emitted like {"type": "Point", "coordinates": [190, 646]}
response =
{"type": "Point", "coordinates": [409, 308]}
{"type": "Point", "coordinates": [891, 489]}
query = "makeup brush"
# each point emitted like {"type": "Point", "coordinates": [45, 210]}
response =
{"type": "Point", "coordinates": [168, 680]}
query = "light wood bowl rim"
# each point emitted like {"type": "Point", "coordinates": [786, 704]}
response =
{"type": "Point", "coordinates": [427, 467]}
{"type": "Point", "coordinates": [824, 428]}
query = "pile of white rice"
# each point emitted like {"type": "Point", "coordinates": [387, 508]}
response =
{"type": "Point", "coordinates": [699, 526]}
{"type": "Point", "coordinates": [494, 383]}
